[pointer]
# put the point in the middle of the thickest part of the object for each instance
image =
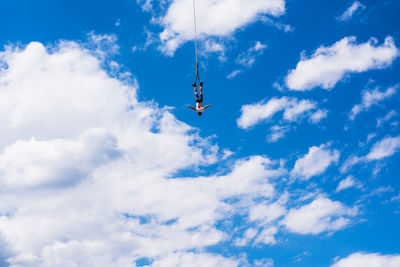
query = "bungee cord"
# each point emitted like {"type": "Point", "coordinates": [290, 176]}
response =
{"type": "Point", "coordinates": [195, 40]}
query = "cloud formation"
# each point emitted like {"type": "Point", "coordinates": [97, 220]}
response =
{"type": "Point", "coordinates": [247, 58]}
{"type": "Point", "coordinates": [368, 260]}
{"type": "Point", "coordinates": [91, 169]}
{"type": "Point", "coordinates": [371, 98]}
{"type": "Point", "coordinates": [348, 13]}
{"type": "Point", "coordinates": [292, 108]}
{"type": "Point", "coordinates": [215, 19]}
{"type": "Point", "coordinates": [384, 148]}
{"type": "Point", "coordinates": [321, 215]}
{"type": "Point", "coordinates": [315, 162]}
{"type": "Point", "coordinates": [346, 183]}
{"type": "Point", "coordinates": [328, 65]}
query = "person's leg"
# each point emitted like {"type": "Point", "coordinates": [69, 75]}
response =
{"type": "Point", "coordinates": [201, 88]}
{"type": "Point", "coordinates": [195, 89]}
{"type": "Point", "coordinates": [201, 92]}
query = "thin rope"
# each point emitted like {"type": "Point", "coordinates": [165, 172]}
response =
{"type": "Point", "coordinates": [195, 39]}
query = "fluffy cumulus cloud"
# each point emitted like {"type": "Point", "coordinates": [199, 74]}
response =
{"type": "Point", "coordinates": [353, 9]}
{"type": "Point", "coordinates": [321, 215]}
{"type": "Point", "coordinates": [371, 98]}
{"type": "Point", "coordinates": [215, 19]}
{"type": "Point", "coordinates": [328, 65]}
{"type": "Point", "coordinates": [292, 108]}
{"type": "Point", "coordinates": [87, 171]}
{"type": "Point", "coordinates": [315, 162]}
{"type": "Point", "coordinates": [368, 260]}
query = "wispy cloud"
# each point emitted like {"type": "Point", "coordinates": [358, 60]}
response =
{"type": "Point", "coordinates": [346, 183]}
{"type": "Point", "coordinates": [371, 98]}
{"type": "Point", "coordinates": [277, 132]}
{"type": "Point", "coordinates": [348, 13]}
{"type": "Point", "coordinates": [390, 115]}
{"type": "Point", "coordinates": [247, 58]}
{"type": "Point", "coordinates": [319, 115]}
{"type": "Point", "coordinates": [384, 148]}
{"type": "Point", "coordinates": [234, 73]}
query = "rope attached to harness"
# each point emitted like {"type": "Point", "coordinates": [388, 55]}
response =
{"type": "Point", "coordinates": [195, 40]}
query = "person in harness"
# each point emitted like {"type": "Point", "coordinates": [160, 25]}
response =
{"type": "Point", "coordinates": [199, 99]}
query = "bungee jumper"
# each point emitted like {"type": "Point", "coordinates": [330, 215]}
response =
{"type": "Point", "coordinates": [199, 99]}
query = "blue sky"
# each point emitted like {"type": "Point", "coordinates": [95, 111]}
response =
{"type": "Point", "coordinates": [295, 163]}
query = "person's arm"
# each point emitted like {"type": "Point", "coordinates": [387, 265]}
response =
{"type": "Point", "coordinates": [191, 107]}
{"type": "Point", "coordinates": [207, 106]}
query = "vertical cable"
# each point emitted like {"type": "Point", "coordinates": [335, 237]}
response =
{"type": "Point", "coordinates": [195, 37]}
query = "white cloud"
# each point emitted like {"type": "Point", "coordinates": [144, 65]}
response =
{"type": "Point", "coordinates": [315, 162]}
{"type": "Point", "coordinates": [254, 113]}
{"type": "Point", "coordinates": [234, 73]}
{"type": "Point", "coordinates": [293, 109]}
{"type": "Point", "coordinates": [368, 260]}
{"type": "Point", "coordinates": [328, 65]}
{"type": "Point", "coordinates": [390, 115]}
{"type": "Point", "coordinates": [266, 213]}
{"type": "Point", "coordinates": [318, 115]}
{"type": "Point", "coordinates": [57, 162]}
{"type": "Point", "coordinates": [350, 162]}
{"type": "Point", "coordinates": [226, 153]}
{"type": "Point", "coordinates": [213, 46]}
{"type": "Point", "coordinates": [195, 260]}
{"type": "Point", "coordinates": [277, 132]}
{"type": "Point", "coordinates": [146, 5]}
{"type": "Point", "coordinates": [266, 236]}
{"type": "Point", "coordinates": [248, 235]}
{"type": "Point", "coordinates": [384, 148]}
{"type": "Point", "coordinates": [247, 59]}
{"type": "Point", "coordinates": [103, 44]}
{"type": "Point", "coordinates": [321, 215]}
{"type": "Point", "coordinates": [348, 14]}
{"type": "Point", "coordinates": [214, 18]}
{"type": "Point", "coordinates": [371, 98]}
{"type": "Point", "coordinates": [371, 136]}
{"type": "Point", "coordinates": [92, 169]}
{"type": "Point", "coordinates": [346, 183]}
{"type": "Point", "coordinates": [263, 263]}
{"type": "Point", "coordinates": [278, 25]}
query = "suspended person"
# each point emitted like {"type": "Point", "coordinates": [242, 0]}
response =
{"type": "Point", "coordinates": [199, 99]}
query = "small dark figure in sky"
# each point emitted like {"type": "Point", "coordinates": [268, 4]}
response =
{"type": "Point", "coordinates": [199, 100]}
